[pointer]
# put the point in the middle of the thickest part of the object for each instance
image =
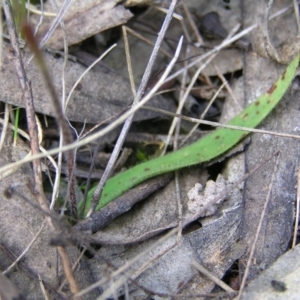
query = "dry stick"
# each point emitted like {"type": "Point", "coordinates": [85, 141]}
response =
{"type": "Point", "coordinates": [28, 99]}
{"type": "Point", "coordinates": [296, 226]}
{"type": "Point", "coordinates": [263, 213]}
{"type": "Point", "coordinates": [193, 25]}
{"type": "Point", "coordinates": [127, 124]}
{"type": "Point", "coordinates": [128, 60]}
{"type": "Point", "coordinates": [70, 164]}
{"type": "Point", "coordinates": [213, 278]}
{"type": "Point", "coordinates": [229, 89]}
{"type": "Point", "coordinates": [296, 10]}
{"type": "Point", "coordinates": [5, 125]}
{"type": "Point", "coordinates": [80, 213]}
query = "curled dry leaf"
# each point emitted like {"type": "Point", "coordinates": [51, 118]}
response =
{"type": "Point", "coordinates": [83, 19]}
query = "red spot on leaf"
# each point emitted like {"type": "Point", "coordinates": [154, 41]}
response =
{"type": "Point", "coordinates": [180, 284]}
{"type": "Point", "coordinates": [272, 89]}
{"type": "Point", "coordinates": [147, 169]}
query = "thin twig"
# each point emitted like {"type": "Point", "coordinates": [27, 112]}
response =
{"type": "Point", "coordinates": [212, 277]}
{"type": "Point", "coordinates": [262, 216]}
{"type": "Point", "coordinates": [193, 25]}
{"type": "Point", "coordinates": [5, 125]}
{"type": "Point", "coordinates": [296, 225]}
{"type": "Point", "coordinates": [296, 10]}
{"type": "Point", "coordinates": [203, 114]}
{"type": "Point", "coordinates": [229, 89]}
{"type": "Point", "coordinates": [56, 22]}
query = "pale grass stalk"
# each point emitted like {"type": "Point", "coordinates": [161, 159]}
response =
{"type": "Point", "coordinates": [26, 136]}
{"type": "Point", "coordinates": [229, 89]}
{"type": "Point", "coordinates": [56, 21]}
{"type": "Point", "coordinates": [188, 90]}
{"type": "Point", "coordinates": [146, 41]}
{"type": "Point", "coordinates": [5, 125]}
{"type": "Point", "coordinates": [55, 190]}
{"type": "Point", "coordinates": [129, 63]}
{"type": "Point", "coordinates": [192, 24]}
{"type": "Point", "coordinates": [164, 10]}
{"type": "Point", "coordinates": [41, 18]}
{"type": "Point", "coordinates": [175, 147]}
{"type": "Point", "coordinates": [296, 226]}
{"type": "Point", "coordinates": [86, 71]}
{"type": "Point", "coordinates": [296, 10]}
{"type": "Point", "coordinates": [32, 8]}
{"type": "Point", "coordinates": [213, 278]}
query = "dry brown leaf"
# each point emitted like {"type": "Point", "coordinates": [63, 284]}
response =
{"type": "Point", "coordinates": [280, 281]}
{"type": "Point", "coordinates": [100, 95]}
{"type": "Point", "coordinates": [83, 19]}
